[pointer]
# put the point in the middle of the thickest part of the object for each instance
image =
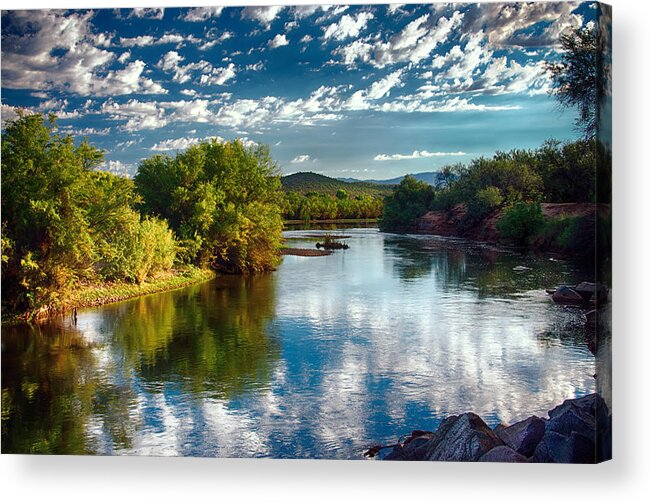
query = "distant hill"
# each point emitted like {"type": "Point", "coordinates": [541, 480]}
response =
{"type": "Point", "coordinates": [313, 182]}
{"type": "Point", "coordinates": [431, 177]}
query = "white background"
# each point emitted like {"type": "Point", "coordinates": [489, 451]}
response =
{"type": "Point", "coordinates": [628, 477]}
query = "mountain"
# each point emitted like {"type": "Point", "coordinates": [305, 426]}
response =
{"type": "Point", "coordinates": [312, 182]}
{"type": "Point", "coordinates": [431, 177]}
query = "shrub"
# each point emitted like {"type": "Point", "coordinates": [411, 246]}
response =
{"type": "Point", "coordinates": [520, 222]}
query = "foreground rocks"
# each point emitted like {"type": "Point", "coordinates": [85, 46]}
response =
{"type": "Point", "coordinates": [577, 431]}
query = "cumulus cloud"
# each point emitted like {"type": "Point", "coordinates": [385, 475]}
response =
{"type": "Point", "coordinates": [504, 22]}
{"type": "Point", "coordinates": [416, 154]}
{"type": "Point", "coordinates": [198, 14]}
{"type": "Point", "coordinates": [348, 26]}
{"type": "Point", "coordinates": [218, 40]}
{"type": "Point", "coordinates": [181, 143]}
{"type": "Point", "coordinates": [148, 13]}
{"type": "Point", "coordinates": [117, 168]}
{"type": "Point", "coordinates": [360, 100]}
{"type": "Point", "coordinates": [218, 76]}
{"type": "Point", "coordinates": [278, 41]}
{"type": "Point", "coordinates": [413, 43]}
{"type": "Point", "coordinates": [262, 14]}
{"type": "Point", "coordinates": [299, 159]}
{"type": "Point", "coordinates": [168, 38]}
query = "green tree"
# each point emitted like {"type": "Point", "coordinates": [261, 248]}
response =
{"type": "Point", "coordinates": [223, 200]}
{"type": "Point", "coordinates": [581, 77]}
{"type": "Point", "coordinates": [410, 200]}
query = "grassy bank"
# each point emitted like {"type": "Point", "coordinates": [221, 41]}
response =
{"type": "Point", "coordinates": [97, 294]}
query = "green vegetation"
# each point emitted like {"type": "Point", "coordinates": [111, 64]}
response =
{"type": "Point", "coordinates": [310, 196]}
{"type": "Point", "coordinates": [409, 201]}
{"type": "Point", "coordinates": [555, 172]}
{"type": "Point", "coordinates": [317, 206]}
{"type": "Point", "coordinates": [65, 224]}
{"type": "Point", "coordinates": [303, 183]}
{"type": "Point", "coordinates": [520, 222]}
{"type": "Point", "coordinates": [223, 202]}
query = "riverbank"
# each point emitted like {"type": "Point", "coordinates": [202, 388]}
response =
{"type": "Point", "coordinates": [569, 229]}
{"type": "Point", "coordinates": [577, 431]}
{"type": "Point", "coordinates": [332, 221]}
{"type": "Point", "coordinates": [98, 294]}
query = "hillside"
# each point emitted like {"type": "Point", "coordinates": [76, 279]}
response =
{"type": "Point", "coordinates": [430, 177]}
{"type": "Point", "coordinates": [313, 182]}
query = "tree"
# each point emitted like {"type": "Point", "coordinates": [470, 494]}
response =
{"type": "Point", "coordinates": [581, 77]}
{"type": "Point", "coordinates": [223, 200]}
{"type": "Point", "coordinates": [410, 200]}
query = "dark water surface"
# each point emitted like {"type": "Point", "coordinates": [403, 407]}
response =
{"type": "Point", "coordinates": [320, 359]}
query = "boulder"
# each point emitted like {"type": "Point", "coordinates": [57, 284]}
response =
{"type": "Point", "coordinates": [462, 438]}
{"type": "Point", "coordinates": [567, 295]}
{"type": "Point", "coordinates": [414, 450]}
{"type": "Point", "coordinates": [524, 436]}
{"type": "Point", "coordinates": [557, 448]}
{"type": "Point", "coordinates": [595, 291]}
{"type": "Point", "coordinates": [503, 454]}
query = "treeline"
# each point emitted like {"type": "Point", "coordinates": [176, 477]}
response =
{"type": "Point", "coordinates": [65, 224]}
{"type": "Point", "coordinates": [556, 172]}
{"type": "Point", "coordinates": [511, 186]}
{"type": "Point", "coordinates": [320, 206]}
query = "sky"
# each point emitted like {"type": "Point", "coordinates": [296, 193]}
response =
{"type": "Point", "coordinates": [365, 91]}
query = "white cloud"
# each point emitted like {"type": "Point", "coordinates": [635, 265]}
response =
{"type": "Point", "coordinates": [148, 13]}
{"type": "Point", "coordinates": [28, 59]}
{"type": "Point", "coordinates": [211, 43]}
{"type": "Point", "coordinates": [117, 168]}
{"type": "Point", "coordinates": [306, 39]}
{"type": "Point", "coordinates": [198, 14]}
{"type": "Point", "coordinates": [416, 154]}
{"type": "Point", "coordinates": [263, 15]}
{"type": "Point", "coordinates": [413, 43]}
{"type": "Point", "coordinates": [128, 80]}
{"type": "Point", "coordinates": [379, 89]}
{"type": "Point", "coordinates": [124, 57]}
{"type": "Point", "coordinates": [504, 21]}
{"type": "Point", "coordinates": [347, 26]}
{"type": "Point", "coordinates": [278, 41]}
{"type": "Point", "coordinates": [299, 159]}
{"type": "Point", "coordinates": [218, 76]}
{"type": "Point", "coordinates": [181, 143]}
{"type": "Point", "coordinates": [148, 40]}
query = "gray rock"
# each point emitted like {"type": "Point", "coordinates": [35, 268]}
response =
{"type": "Point", "coordinates": [524, 436]}
{"type": "Point", "coordinates": [462, 438]}
{"type": "Point", "coordinates": [567, 295]}
{"type": "Point", "coordinates": [415, 450]}
{"type": "Point", "coordinates": [557, 448]}
{"type": "Point", "coordinates": [503, 454]}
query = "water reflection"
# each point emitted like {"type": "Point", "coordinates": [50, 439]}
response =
{"type": "Point", "coordinates": [317, 359]}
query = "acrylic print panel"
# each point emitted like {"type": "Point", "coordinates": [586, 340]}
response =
{"type": "Point", "coordinates": [342, 232]}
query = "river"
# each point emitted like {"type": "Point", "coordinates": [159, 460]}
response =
{"type": "Point", "coordinates": [320, 359]}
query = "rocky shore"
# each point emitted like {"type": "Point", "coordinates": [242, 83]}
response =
{"type": "Point", "coordinates": [577, 431]}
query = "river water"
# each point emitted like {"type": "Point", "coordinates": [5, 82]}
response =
{"type": "Point", "coordinates": [320, 359]}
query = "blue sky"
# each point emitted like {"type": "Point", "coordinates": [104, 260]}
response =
{"type": "Point", "coordinates": [364, 91]}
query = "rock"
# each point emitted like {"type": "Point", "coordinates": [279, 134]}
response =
{"type": "Point", "coordinates": [503, 454]}
{"type": "Point", "coordinates": [567, 295]}
{"type": "Point", "coordinates": [595, 291]}
{"type": "Point", "coordinates": [524, 436]}
{"type": "Point", "coordinates": [415, 450]}
{"type": "Point", "coordinates": [557, 448]}
{"type": "Point", "coordinates": [462, 438]}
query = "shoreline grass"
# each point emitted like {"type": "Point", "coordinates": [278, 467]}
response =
{"type": "Point", "coordinates": [99, 294]}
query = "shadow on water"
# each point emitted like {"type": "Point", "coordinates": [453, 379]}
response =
{"type": "Point", "coordinates": [79, 389]}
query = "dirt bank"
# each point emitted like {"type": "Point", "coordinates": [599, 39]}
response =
{"type": "Point", "coordinates": [451, 223]}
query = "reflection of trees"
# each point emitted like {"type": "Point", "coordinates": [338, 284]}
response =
{"type": "Point", "coordinates": [213, 337]}
{"type": "Point", "coordinates": [61, 394]}
{"type": "Point", "coordinates": [48, 383]}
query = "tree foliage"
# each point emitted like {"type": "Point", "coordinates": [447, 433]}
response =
{"type": "Point", "coordinates": [221, 199]}
{"type": "Point", "coordinates": [580, 78]}
{"type": "Point", "coordinates": [63, 222]}
{"type": "Point", "coordinates": [409, 201]}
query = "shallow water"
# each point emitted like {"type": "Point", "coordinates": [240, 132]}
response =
{"type": "Point", "coordinates": [320, 359]}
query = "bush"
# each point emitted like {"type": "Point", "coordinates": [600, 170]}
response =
{"type": "Point", "coordinates": [520, 222]}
